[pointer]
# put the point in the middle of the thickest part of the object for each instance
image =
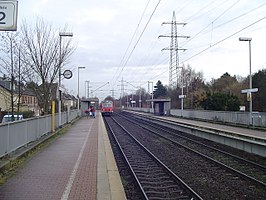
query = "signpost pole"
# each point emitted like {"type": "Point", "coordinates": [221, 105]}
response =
{"type": "Point", "coordinates": [249, 98]}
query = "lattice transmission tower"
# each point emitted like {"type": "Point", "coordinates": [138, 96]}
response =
{"type": "Point", "coordinates": [175, 71]}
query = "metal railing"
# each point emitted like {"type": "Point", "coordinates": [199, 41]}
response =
{"type": "Point", "coordinates": [241, 118]}
{"type": "Point", "coordinates": [20, 133]}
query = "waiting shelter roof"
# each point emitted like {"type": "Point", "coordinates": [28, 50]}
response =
{"type": "Point", "coordinates": [158, 100]}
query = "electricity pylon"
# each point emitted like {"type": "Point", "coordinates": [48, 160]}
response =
{"type": "Point", "coordinates": [174, 58]}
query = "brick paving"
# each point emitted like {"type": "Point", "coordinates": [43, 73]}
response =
{"type": "Point", "coordinates": [85, 186]}
{"type": "Point", "coordinates": [67, 166]}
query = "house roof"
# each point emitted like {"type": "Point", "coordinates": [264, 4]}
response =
{"type": "Point", "coordinates": [5, 83]}
{"type": "Point", "coordinates": [68, 96]}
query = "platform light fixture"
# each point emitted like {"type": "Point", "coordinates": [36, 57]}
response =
{"type": "Point", "coordinates": [248, 39]}
{"type": "Point", "coordinates": [78, 89]}
{"type": "Point", "coordinates": [61, 34]}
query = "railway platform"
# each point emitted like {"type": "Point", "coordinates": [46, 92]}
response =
{"type": "Point", "coordinates": [251, 140]}
{"type": "Point", "coordinates": [78, 165]}
{"type": "Point", "coordinates": [249, 133]}
{"type": "Point", "coordinates": [237, 131]}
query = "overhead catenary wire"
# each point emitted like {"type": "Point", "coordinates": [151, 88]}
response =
{"type": "Point", "coordinates": [220, 41]}
{"type": "Point", "coordinates": [239, 16]}
{"type": "Point", "coordinates": [145, 27]}
{"type": "Point", "coordinates": [131, 40]}
{"type": "Point", "coordinates": [152, 67]}
{"type": "Point", "coordinates": [158, 57]}
{"type": "Point", "coordinates": [195, 14]}
{"type": "Point", "coordinates": [210, 24]}
{"type": "Point", "coordinates": [227, 22]}
{"type": "Point", "coordinates": [214, 26]}
{"type": "Point", "coordinates": [216, 43]}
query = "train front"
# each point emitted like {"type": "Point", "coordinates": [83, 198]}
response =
{"type": "Point", "coordinates": [107, 107]}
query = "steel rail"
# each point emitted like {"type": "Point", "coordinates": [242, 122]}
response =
{"type": "Point", "coordinates": [200, 143]}
{"type": "Point", "coordinates": [178, 180]}
{"type": "Point", "coordinates": [241, 174]}
{"type": "Point", "coordinates": [125, 158]}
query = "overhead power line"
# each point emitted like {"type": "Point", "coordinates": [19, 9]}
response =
{"type": "Point", "coordinates": [210, 24]}
{"type": "Point", "coordinates": [220, 41]}
{"type": "Point", "coordinates": [131, 40]}
{"type": "Point", "coordinates": [138, 39]}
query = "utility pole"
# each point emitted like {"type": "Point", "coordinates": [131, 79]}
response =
{"type": "Point", "coordinates": [151, 92]}
{"type": "Point", "coordinates": [140, 100]}
{"type": "Point", "coordinates": [87, 89]}
{"type": "Point", "coordinates": [12, 78]}
{"type": "Point", "coordinates": [174, 58]}
{"type": "Point", "coordinates": [113, 93]}
{"type": "Point", "coordinates": [122, 92]}
{"type": "Point", "coordinates": [19, 80]}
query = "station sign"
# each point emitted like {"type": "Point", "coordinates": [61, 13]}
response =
{"type": "Point", "coordinates": [250, 90]}
{"type": "Point", "coordinates": [8, 15]}
{"type": "Point", "coordinates": [67, 74]}
{"type": "Point", "coordinates": [182, 96]}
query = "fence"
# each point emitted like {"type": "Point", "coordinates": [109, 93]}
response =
{"type": "Point", "coordinates": [241, 118]}
{"type": "Point", "coordinates": [20, 133]}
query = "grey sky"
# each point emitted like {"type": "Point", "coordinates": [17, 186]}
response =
{"type": "Point", "coordinates": [103, 29]}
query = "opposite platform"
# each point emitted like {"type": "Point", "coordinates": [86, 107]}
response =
{"type": "Point", "coordinates": [77, 165]}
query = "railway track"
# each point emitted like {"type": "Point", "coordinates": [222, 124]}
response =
{"type": "Point", "coordinates": [154, 179]}
{"type": "Point", "coordinates": [244, 167]}
{"type": "Point", "coordinates": [206, 174]}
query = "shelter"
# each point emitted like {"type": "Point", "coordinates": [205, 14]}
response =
{"type": "Point", "coordinates": [161, 106]}
{"type": "Point", "coordinates": [85, 103]}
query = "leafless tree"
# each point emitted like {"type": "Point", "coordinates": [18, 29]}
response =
{"type": "Point", "coordinates": [41, 58]}
{"type": "Point", "coordinates": [9, 65]}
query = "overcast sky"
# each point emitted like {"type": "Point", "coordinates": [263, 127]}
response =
{"type": "Point", "coordinates": [116, 39]}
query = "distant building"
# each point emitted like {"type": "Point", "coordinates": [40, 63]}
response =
{"type": "Point", "coordinates": [29, 102]}
{"type": "Point", "coordinates": [69, 100]}
{"type": "Point", "coordinates": [23, 98]}
{"type": "Point", "coordinates": [26, 99]}
{"type": "Point", "coordinates": [5, 98]}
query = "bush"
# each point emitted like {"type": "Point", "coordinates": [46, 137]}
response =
{"type": "Point", "coordinates": [221, 102]}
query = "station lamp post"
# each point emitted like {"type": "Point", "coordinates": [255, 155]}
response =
{"type": "Point", "coordinates": [250, 78]}
{"type": "Point", "coordinates": [151, 92]}
{"type": "Point", "coordinates": [87, 89]}
{"type": "Point", "coordinates": [78, 89]}
{"type": "Point", "coordinates": [182, 96]}
{"type": "Point", "coordinates": [61, 34]}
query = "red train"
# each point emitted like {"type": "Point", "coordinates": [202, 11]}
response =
{"type": "Point", "coordinates": [107, 107]}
